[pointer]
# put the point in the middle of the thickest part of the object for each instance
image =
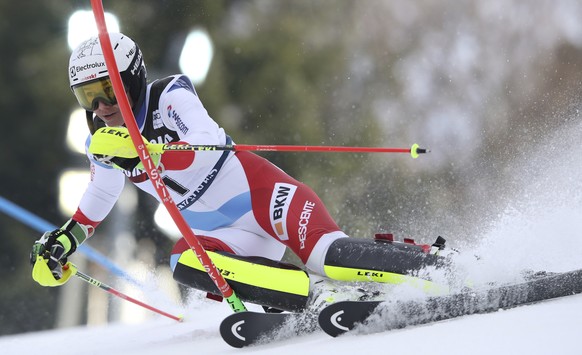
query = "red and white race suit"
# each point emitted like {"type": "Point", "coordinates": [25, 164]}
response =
{"type": "Point", "coordinates": [236, 202]}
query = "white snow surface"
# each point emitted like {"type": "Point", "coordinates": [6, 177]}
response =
{"type": "Point", "coordinates": [551, 327]}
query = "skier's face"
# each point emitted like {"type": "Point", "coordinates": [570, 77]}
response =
{"type": "Point", "coordinates": [110, 114]}
{"type": "Point", "coordinates": [98, 96]}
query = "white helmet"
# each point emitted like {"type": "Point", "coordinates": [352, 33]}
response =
{"type": "Point", "coordinates": [88, 76]}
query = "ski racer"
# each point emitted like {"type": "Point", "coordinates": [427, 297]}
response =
{"type": "Point", "coordinates": [244, 210]}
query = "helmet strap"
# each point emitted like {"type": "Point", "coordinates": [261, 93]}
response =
{"type": "Point", "coordinates": [94, 123]}
{"type": "Point", "coordinates": [90, 123]}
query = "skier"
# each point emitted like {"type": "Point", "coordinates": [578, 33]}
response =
{"type": "Point", "coordinates": [244, 210]}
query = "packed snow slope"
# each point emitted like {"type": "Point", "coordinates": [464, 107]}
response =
{"type": "Point", "coordinates": [551, 327]}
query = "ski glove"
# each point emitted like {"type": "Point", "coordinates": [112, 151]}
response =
{"type": "Point", "coordinates": [49, 254]}
{"type": "Point", "coordinates": [118, 163]}
{"type": "Point", "coordinates": [113, 146]}
{"type": "Point", "coordinates": [127, 164]}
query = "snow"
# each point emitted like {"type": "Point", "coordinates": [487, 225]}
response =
{"type": "Point", "coordinates": [550, 327]}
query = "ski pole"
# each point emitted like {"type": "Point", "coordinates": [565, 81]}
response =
{"type": "Point", "coordinates": [151, 169]}
{"type": "Point", "coordinates": [121, 295]}
{"type": "Point", "coordinates": [117, 142]}
{"type": "Point", "coordinates": [161, 148]}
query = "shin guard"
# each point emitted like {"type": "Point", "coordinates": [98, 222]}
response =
{"type": "Point", "coordinates": [254, 279]}
{"type": "Point", "coordinates": [351, 259]}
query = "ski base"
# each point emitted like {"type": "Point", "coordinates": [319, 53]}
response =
{"type": "Point", "coordinates": [341, 317]}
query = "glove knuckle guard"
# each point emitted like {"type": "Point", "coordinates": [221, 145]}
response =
{"type": "Point", "coordinates": [49, 254]}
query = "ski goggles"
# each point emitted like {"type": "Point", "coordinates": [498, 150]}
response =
{"type": "Point", "coordinates": [90, 93]}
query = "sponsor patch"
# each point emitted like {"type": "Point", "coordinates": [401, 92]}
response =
{"type": "Point", "coordinates": [157, 119]}
{"type": "Point", "coordinates": [179, 123]}
{"type": "Point", "coordinates": [304, 222]}
{"type": "Point", "coordinates": [279, 207]}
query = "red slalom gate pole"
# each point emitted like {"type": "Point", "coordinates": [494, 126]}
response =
{"type": "Point", "coordinates": [152, 171]}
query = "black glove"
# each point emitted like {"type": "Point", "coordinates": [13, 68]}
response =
{"type": "Point", "coordinates": [120, 163]}
{"type": "Point", "coordinates": [127, 164]}
{"type": "Point", "coordinates": [56, 246]}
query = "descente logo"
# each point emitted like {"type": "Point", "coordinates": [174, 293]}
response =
{"type": "Point", "coordinates": [79, 68]}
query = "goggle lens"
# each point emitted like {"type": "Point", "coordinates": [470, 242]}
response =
{"type": "Point", "coordinates": [89, 94]}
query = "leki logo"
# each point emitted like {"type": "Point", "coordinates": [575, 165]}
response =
{"type": "Point", "coordinates": [279, 206]}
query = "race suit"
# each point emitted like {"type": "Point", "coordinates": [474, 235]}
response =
{"type": "Point", "coordinates": [236, 202]}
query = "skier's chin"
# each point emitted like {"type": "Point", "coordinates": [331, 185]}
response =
{"type": "Point", "coordinates": [115, 120]}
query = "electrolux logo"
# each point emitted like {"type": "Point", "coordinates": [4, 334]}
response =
{"type": "Point", "coordinates": [79, 68]}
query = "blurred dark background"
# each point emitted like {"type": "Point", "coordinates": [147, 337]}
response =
{"type": "Point", "coordinates": [477, 82]}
